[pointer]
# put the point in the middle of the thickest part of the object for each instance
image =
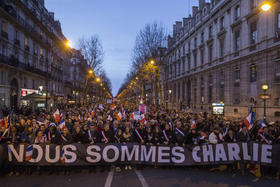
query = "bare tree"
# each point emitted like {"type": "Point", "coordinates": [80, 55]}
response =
{"type": "Point", "coordinates": [105, 80]}
{"type": "Point", "coordinates": [148, 40]}
{"type": "Point", "coordinates": [92, 50]}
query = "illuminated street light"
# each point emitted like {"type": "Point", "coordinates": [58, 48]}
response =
{"type": "Point", "coordinates": [264, 87]}
{"type": "Point", "coordinates": [69, 43]}
{"type": "Point", "coordinates": [266, 6]}
{"type": "Point", "coordinates": [41, 88]}
{"type": "Point", "coordinates": [101, 84]}
{"type": "Point", "coordinates": [152, 62]}
{"type": "Point", "coordinates": [136, 78]}
{"type": "Point", "coordinates": [169, 91]}
{"type": "Point", "coordinates": [97, 79]}
{"type": "Point", "coordinates": [90, 71]}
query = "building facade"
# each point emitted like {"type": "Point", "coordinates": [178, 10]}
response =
{"type": "Point", "coordinates": [79, 69]}
{"type": "Point", "coordinates": [32, 54]}
{"type": "Point", "coordinates": [224, 53]}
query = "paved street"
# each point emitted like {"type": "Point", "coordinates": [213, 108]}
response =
{"type": "Point", "coordinates": [147, 177]}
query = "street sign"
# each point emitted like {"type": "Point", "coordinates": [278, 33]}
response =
{"type": "Point", "coordinates": [265, 96]}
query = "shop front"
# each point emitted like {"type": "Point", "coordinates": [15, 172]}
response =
{"type": "Point", "coordinates": [218, 108]}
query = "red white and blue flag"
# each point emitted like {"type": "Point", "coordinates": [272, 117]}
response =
{"type": "Point", "coordinates": [29, 152]}
{"type": "Point", "coordinates": [262, 124]}
{"type": "Point", "coordinates": [139, 135]}
{"type": "Point", "coordinates": [56, 115]}
{"type": "Point", "coordinates": [62, 156]}
{"type": "Point", "coordinates": [179, 131]}
{"type": "Point", "coordinates": [249, 119]}
{"type": "Point", "coordinates": [193, 124]}
{"type": "Point", "coordinates": [62, 123]}
{"type": "Point", "coordinates": [165, 135]}
{"type": "Point", "coordinates": [264, 138]}
{"type": "Point", "coordinates": [104, 136]}
{"type": "Point", "coordinates": [90, 135]}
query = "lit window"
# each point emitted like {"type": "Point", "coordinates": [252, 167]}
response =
{"type": "Point", "coordinates": [237, 12]}
{"type": "Point", "coordinates": [253, 73]}
{"type": "Point", "coordinates": [254, 33]}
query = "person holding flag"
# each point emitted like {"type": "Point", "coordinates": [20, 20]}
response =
{"type": "Point", "coordinates": [53, 135]}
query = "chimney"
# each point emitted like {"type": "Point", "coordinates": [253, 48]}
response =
{"type": "Point", "coordinates": [52, 15]}
{"type": "Point", "coordinates": [201, 4]}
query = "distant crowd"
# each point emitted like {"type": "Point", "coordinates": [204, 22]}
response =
{"type": "Point", "coordinates": [113, 123]}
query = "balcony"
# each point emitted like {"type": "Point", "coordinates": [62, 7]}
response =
{"type": "Point", "coordinates": [26, 48]}
{"type": "Point", "coordinates": [5, 35]}
{"type": "Point", "coordinates": [17, 42]}
{"type": "Point", "coordinates": [12, 61]}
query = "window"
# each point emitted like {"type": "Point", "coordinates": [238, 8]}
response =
{"type": "Point", "coordinates": [237, 40]}
{"type": "Point", "coordinates": [189, 62]}
{"type": "Point", "coordinates": [210, 85]}
{"type": "Point", "coordinates": [202, 56]}
{"type": "Point", "coordinates": [210, 31]}
{"type": "Point", "coordinates": [222, 47]}
{"type": "Point", "coordinates": [222, 23]}
{"type": "Point", "coordinates": [184, 65]}
{"type": "Point", "coordinates": [253, 73]}
{"type": "Point", "coordinates": [202, 90]}
{"type": "Point", "coordinates": [195, 59]}
{"type": "Point", "coordinates": [253, 33]}
{"type": "Point", "coordinates": [202, 37]}
{"type": "Point", "coordinates": [4, 26]}
{"type": "Point", "coordinates": [237, 12]}
{"type": "Point", "coordinates": [33, 84]}
{"type": "Point", "coordinates": [237, 73]}
{"type": "Point", "coordinates": [25, 41]}
{"type": "Point", "coordinates": [41, 51]}
{"type": "Point", "coordinates": [277, 69]}
{"type": "Point", "coordinates": [16, 35]}
{"type": "Point", "coordinates": [210, 49]}
{"type": "Point", "coordinates": [2, 77]}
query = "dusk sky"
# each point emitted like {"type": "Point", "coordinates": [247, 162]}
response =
{"type": "Point", "coordinates": [117, 23]}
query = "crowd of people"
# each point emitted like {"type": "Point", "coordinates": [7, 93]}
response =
{"type": "Point", "coordinates": [118, 124]}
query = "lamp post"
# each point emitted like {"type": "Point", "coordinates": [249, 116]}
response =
{"type": "Point", "coordinates": [169, 96]}
{"type": "Point", "coordinates": [264, 88]}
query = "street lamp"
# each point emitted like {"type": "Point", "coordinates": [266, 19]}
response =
{"type": "Point", "coordinates": [136, 78]}
{"type": "Point", "coordinates": [264, 88]}
{"type": "Point", "coordinates": [69, 43]}
{"type": "Point", "coordinates": [266, 6]}
{"type": "Point", "coordinates": [97, 79]}
{"type": "Point", "coordinates": [152, 62]}
{"type": "Point", "coordinates": [169, 91]}
{"type": "Point", "coordinates": [90, 71]}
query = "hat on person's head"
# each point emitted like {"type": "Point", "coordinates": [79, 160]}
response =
{"type": "Point", "coordinates": [52, 125]}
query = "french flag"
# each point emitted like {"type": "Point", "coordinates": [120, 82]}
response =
{"type": "Point", "coordinates": [249, 120]}
{"type": "Point", "coordinates": [262, 124]}
{"type": "Point", "coordinates": [56, 115]}
{"type": "Point", "coordinates": [62, 156]}
{"type": "Point", "coordinates": [193, 126]}
{"type": "Point", "coordinates": [62, 123]}
{"type": "Point", "coordinates": [143, 119]}
{"type": "Point", "coordinates": [29, 153]}
{"type": "Point", "coordinates": [119, 116]}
